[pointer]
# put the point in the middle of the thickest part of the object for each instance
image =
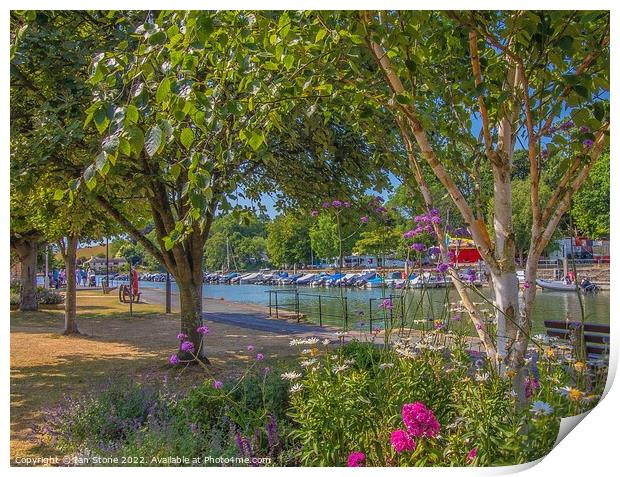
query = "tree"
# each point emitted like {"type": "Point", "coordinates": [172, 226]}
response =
{"type": "Point", "coordinates": [325, 238]}
{"type": "Point", "coordinates": [590, 210]}
{"type": "Point", "coordinates": [50, 53]}
{"type": "Point", "coordinates": [529, 77]}
{"type": "Point", "coordinates": [288, 242]}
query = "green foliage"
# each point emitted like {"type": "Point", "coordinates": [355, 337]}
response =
{"type": "Point", "coordinates": [49, 297]}
{"type": "Point", "coordinates": [325, 237]}
{"type": "Point", "coordinates": [590, 209]}
{"type": "Point", "coordinates": [239, 239]}
{"type": "Point", "coordinates": [288, 241]}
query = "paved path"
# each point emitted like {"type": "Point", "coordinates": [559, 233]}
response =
{"type": "Point", "coordinates": [242, 315]}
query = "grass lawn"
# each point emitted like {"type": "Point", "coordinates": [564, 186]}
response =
{"type": "Point", "coordinates": [45, 366]}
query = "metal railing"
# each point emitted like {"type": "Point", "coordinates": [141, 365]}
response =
{"type": "Point", "coordinates": [313, 305]}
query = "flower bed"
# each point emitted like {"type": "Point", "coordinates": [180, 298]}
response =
{"type": "Point", "coordinates": [357, 404]}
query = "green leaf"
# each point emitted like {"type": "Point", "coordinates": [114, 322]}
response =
{"type": "Point", "coordinates": [256, 140]}
{"type": "Point", "coordinates": [163, 90]}
{"type": "Point", "coordinates": [320, 35]}
{"type": "Point", "coordinates": [131, 115]}
{"type": "Point", "coordinates": [101, 160]}
{"type": "Point", "coordinates": [153, 140]}
{"type": "Point", "coordinates": [101, 119]}
{"type": "Point", "coordinates": [175, 170]}
{"type": "Point", "coordinates": [136, 139]}
{"type": "Point", "coordinates": [187, 138]}
{"type": "Point", "coordinates": [124, 147]}
{"type": "Point", "coordinates": [59, 194]}
{"type": "Point", "coordinates": [288, 61]}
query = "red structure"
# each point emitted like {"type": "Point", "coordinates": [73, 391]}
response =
{"type": "Point", "coordinates": [463, 250]}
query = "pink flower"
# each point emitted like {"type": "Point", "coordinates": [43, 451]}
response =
{"type": "Point", "coordinates": [471, 455]}
{"type": "Point", "coordinates": [420, 421]}
{"type": "Point", "coordinates": [526, 284]}
{"type": "Point", "coordinates": [337, 204]}
{"type": "Point", "coordinates": [218, 384]}
{"type": "Point", "coordinates": [364, 219]}
{"type": "Point", "coordinates": [182, 336]}
{"type": "Point", "coordinates": [386, 304]}
{"type": "Point", "coordinates": [260, 357]}
{"type": "Point", "coordinates": [401, 441]}
{"type": "Point", "coordinates": [187, 346]}
{"type": "Point", "coordinates": [356, 459]}
{"type": "Point", "coordinates": [203, 330]}
{"type": "Point", "coordinates": [250, 348]}
{"type": "Point", "coordinates": [314, 213]}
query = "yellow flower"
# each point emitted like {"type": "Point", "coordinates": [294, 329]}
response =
{"type": "Point", "coordinates": [580, 366]}
{"type": "Point", "coordinates": [549, 353]}
{"type": "Point", "coordinates": [314, 351]}
{"type": "Point", "coordinates": [511, 373]}
{"type": "Point", "coordinates": [575, 394]}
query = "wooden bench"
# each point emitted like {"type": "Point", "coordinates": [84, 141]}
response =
{"type": "Point", "coordinates": [592, 338]}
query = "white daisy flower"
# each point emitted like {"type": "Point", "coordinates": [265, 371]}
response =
{"type": "Point", "coordinates": [386, 365]}
{"type": "Point", "coordinates": [308, 362]}
{"type": "Point", "coordinates": [290, 375]}
{"type": "Point", "coordinates": [295, 388]}
{"type": "Point", "coordinates": [337, 369]}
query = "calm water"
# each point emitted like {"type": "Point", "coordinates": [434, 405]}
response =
{"type": "Point", "coordinates": [361, 304]}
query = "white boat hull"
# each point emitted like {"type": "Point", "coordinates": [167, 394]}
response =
{"type": "Point", "coordinates": [555, 285]}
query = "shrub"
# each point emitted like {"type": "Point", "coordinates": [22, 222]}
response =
{"type": "Point", "coordinates": [49, 297]}
{"type": "Point", "coordinates": [14, 299]}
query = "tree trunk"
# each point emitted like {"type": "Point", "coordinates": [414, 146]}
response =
{"type": "Point", "coordinates": [26, 250]}
{"type": "Point", "coordinates": [190, 295]}
{"type": "Point", "coordinates": [69, 254]}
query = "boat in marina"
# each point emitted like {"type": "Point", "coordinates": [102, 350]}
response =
{"type": "Point", "coordinates": [555, 285]}
{"type": "Point", "coordinates": [377, 282]}
{"type": "Point", "coordinates": [430, 281]}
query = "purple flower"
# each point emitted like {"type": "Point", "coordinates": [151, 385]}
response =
{"type": "Point", "coordinates": [456, 318]}
{"type": "Point", "coordinates": [436, 219]}
{"type": "Point", "coordinates": [260, 357]}
{"type": "Point", "coordinates": [381, 210]}
{"type": "Point", "coordinates": [386, 304]}
{"type": "Point", "coordinates": [471, 455]}
{"type": "Point", "coordinates": [187, 346]}
{"type": "Point", "coordinates": [443, 267]}
{"type": "Point", "coordinates": [266, 370]}
{"type": "Point", "coordinates": [314, 213]}
{"type": "Point", "coordinates": [250, 348]}
{"type": "Point", "coordinates": [193, 427]}
{"type": "Point", "coordinates": [379, 199]}
{"type": "Point", "coordinates": [174, 360]}
{"type": "Point", "coordinates": [203, 330]}
{"type": "Point", "coordinates": [347, 204]}
{"type": "Point", "coordinates": [364, 219]}
{"type": "Point", "coordinates": [337, 204]}
{"type": "Point", "coordinates": [584, 129]}
{"type": "Point", "coordinates": [433, 212]}
{"type": "Point", "coordinates": [356, 459]}
{"type": "Point", "coordinates": [531, 385]}
{"type": "Point", "coordinates": [526, 284]}
{"type": "Point", "coordinates": [218, 384]}
{"type": "Point", "coordinates": [588, 143]}
{"type": "Point", "coordinates": [326, 205]}
{"type": "Point", "coordinates": [401, 441]}
{"type": "Point", "coordinates": [478, 326]}
{"type": "Point", "coordinates": [182, 336]}
{"type": "Point", "coordinates": [565, 126]}
{"type": "Point", "coordinates": [418, 247]}
{"type": "Point", "coordinates": [545, 154]}
{"type": "Point", "coordinates": [409, 234]}
{"type": "Point", "coordinates": [553, 130]}
{"type": "Point", "coordinates": [419, 420]}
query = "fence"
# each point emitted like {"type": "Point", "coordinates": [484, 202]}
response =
{"type": "Point", "coordinates": [318, 308]}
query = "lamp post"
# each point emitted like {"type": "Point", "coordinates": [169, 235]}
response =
{"type": "Point", "coordinates": [107, 263]}
{"type": "Point", "coordinates": [168, 294]}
